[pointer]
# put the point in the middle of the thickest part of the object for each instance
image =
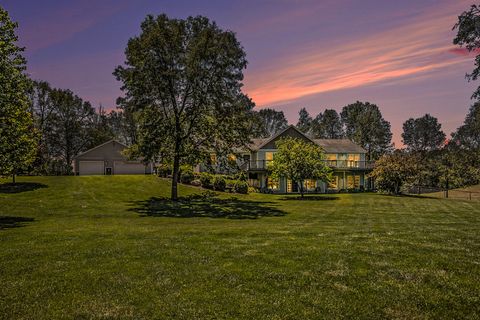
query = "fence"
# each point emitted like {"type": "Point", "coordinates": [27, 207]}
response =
{"type": "Point", "coordinates": [443, 193]}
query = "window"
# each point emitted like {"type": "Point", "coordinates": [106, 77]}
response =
{"type": "Point", "coordinates": [333, 184]}
{"type": "Point", "coordinates": [310, 184]}
{"type": "Point", "coordinates": [232, 157]}
{"type": "Point", "coordinates": [353, 159]}
{"type": "Point", "coordinates": [272, 184]}
{"type": "Point", "coordinates": [353, 182]}
{"type": "Point", "coordinates": [213, 158]}
{"type": "Point", "coordinates": [269, 156]}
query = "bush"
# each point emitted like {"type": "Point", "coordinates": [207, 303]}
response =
{"type": "Point", "coordinates": [219, 183]}
{"type": "Point", "coordinates": [206, 180]}
{"type": "Point", "coordinates": [241, 176]}
{"type": "Point", "coordinates": [196, 183]}
{"type": "Point", "coordinates": [186, 174]}
{"type": "Point", "coordinates": [240, 187]}
{"type": "Point", "coordinates": [252, 190]}
{"type": "Point", "coordinates": [164, 170]}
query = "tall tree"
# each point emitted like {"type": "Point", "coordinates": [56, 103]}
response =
{"type": "Point", "coordinates": [328, 125]}
{"type": "Point", "coordinates": [270, 122]}
{"type": "Point", "coordinates": [17, 137]}
{"type": "Point", "coordinates": [467, 136]}
{"type": "Point", "coordinates": [299, 160]}
{"type": "Point", "coordinates": [72, 127]}
{"type": "Point", "coordinates": [365, 126]}
{"type": "Point", "coordinates": [305, 121]}
{"type": "Point", "coordinates": [468, 35]}
{"type": "Point", "coordinates": [423, 134]}
{"type": "Point", "coordinates": [183, 78]}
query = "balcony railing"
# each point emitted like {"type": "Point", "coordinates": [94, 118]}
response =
{"type": "Point", "coordinates": [338, 164]}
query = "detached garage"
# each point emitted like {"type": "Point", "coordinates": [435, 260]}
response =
{"type": "Point", "coordinates": [107, 159]}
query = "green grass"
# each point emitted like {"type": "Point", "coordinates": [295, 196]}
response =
{"type": "Point", "coordinates": [113, 248]}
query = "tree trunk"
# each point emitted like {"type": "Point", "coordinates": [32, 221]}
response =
{"type": "Point", "coordinates": [176, 170]}
{"type": "Point", "coordinates": [13, 178]}
{"type": "Point", "coordinates": [300, 185]}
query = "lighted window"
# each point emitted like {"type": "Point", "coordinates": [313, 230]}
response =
{"type": "Point", "coordinates": [273, 184]}
{"type": "Point", "coordinates": [310, 184]}
{"type": "Point", "coordinates": [333, 184]}
{"type": "Point", "coordinates": [269, 156]}
{"type": "Point", "coordinates": [353, 182]}
{"type": "Point", "coordinates": [353, 159]}
{"type": "Point", "coordinates": [289, 185]}
{"type": "Point", "coordinates": [213, 158]}
{"type": "Point", "coordinates": [331, 156]}
{"type": "Point", "coordinates": [232, 157]}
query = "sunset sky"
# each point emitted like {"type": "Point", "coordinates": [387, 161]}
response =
{"type": "Point", "coordinates": [313, 54]}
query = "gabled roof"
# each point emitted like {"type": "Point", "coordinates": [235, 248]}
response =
{"type": "Point", "coordinates": [328, 145]}
{"type": "Point", "coordinates": [99, 146]}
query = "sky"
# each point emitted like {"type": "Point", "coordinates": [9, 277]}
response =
{"type": "Point", "coordinates": [313, 54]}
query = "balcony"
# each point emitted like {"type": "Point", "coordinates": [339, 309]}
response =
{"type": "Point", "coordinates": [334, 164]}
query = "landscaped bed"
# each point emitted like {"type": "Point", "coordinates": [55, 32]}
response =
{"type": "Point", "coordinates": [114, 247]}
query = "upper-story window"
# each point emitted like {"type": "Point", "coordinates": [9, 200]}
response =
{"type": "Point", "coordinates": [269, 155]}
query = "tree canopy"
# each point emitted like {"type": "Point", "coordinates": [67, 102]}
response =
{"type": "Point", "coordinates": [364, 125]}
{"type": "Point", "coordinates": [17, 134]}
{"type": "Point", "coordinates": [468, 35]}
{"type": "Point", "coordinates": [423, 134]}
{"type": "Point", "coordinates": [299, 160]}
{"type": "Point", "coordinates": [270, 122]}
{"type": "Point", "coordinates": [305, 121]}
{"type": "Point", "coordinates": [327, 125]}
{"type": "Point", "coordinates": [184, 79]}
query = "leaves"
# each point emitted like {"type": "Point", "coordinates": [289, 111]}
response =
{"type": "Point", "coordinates": [423, 134]}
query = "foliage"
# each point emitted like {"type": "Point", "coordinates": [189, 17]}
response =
{"type": "Point", "coordinates": [206, 179]}
{"type": "Point", "coordinates": [17, 135]}
{"type": "Point", "coordinates": [327, 125]}
{"type": "Point", "coordinates": [305, 121]}
{"type": "Point", "coordinates": [270, 122]}
{"type": "Point", "coordinates": [219, 183]}
{"type": "Point", "coordinates": [365, 126]}
{"type": "Point", "coordinates": [468, 35]}
{"type": "Point", "coordinates": [164, 170]}
{"type": "Point", "coordinates": [241, 175]}
{"type": "Point", "coordinates": [240, 187]}
{"type": "Point", "coordinates": [299, 160]}
{"type": "Point", "coordinates": [186, 174]}
{"type": "Point", "coordinates": [392, 171]}
{"type": "Point", "coordinates": [183, 80]}
{"type": "Point", "coordinates": [423, 134]}
{"type": "Point", "coordinates": [467, 136]}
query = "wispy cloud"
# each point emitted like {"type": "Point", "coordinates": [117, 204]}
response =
{"type": "Point", "coordinates": [418, 46]}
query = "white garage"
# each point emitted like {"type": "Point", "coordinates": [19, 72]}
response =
{"type": "Point", "coordinates": [106, 159]}
{"type": "Point", "coordinates": [87, 168]}
{"type": "Point", "coordinates": [124, 167]}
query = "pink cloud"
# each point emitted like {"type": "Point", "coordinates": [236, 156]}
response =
{"type": "Point", "coordinates": [415, 48]}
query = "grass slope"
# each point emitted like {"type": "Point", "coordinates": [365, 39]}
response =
{"type": "Point", "coordinates": [111, 248]}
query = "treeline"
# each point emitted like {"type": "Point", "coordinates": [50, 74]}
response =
{"type": "Point", "coordinates": [66, 125]}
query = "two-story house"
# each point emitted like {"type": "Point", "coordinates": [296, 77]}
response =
{"type": "Point", "coordinates": [346, 159]}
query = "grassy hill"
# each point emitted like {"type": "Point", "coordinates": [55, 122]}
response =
{"type": "Point", "coordinates": [111, 247]}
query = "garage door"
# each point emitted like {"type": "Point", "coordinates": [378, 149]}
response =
{"type": "Point", "coordinates": [128, 168]}
{"type": "Point", "coordinates": [90, 168]}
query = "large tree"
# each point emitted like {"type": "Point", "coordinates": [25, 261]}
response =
{"type": "Point", "coordinates": [468, 35]}
{"type": "Point", "coordinates": [328, 125]}
{"type": "Point", "coordinates": [305, 121]}
{"type": "Point", "coordinates": [299, 160]}
{"type": "Point", "coordinates": [364, 124]}
{"type": "Point", "coordinates": [423, 134]}
{"type": "Point", "coordinates": [270, 122]}
{"type": "Point", "coordinates": [467, 136]}
{"type": "Point", "coordinates": [17, 136]}
{"type": "Point", "coordinates": [184, 79]}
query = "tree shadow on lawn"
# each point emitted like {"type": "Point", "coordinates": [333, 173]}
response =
{"type": "Point", "coordinates": [20, 187]}
{"type": "Point", "coordinates": [205, 205]}
{"type": "Point", "coordinates": [7, 222]}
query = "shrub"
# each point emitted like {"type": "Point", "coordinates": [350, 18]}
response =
{"type": "Point", "coordinates": [206, 180]}
{"type": "Point", "coordinates": [186, 174]}
{"type": "Point", "coordinates": [196, 183]}
{"type": "Point", "coordinates": [252, 190]}
{"type": "Point", "coordinates": [241, 176]}
{"type": "Point", "coordinates": [219, 183]}
{"type": "Point", "coordinates": [240, 187]}
{"type": "Point", "coordinates": [164, 170]}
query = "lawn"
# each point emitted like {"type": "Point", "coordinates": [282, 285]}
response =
{"type": "Point", "coordinates": [111, 247]}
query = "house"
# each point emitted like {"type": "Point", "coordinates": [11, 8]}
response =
{"type": "Point", "coordinates": [344, 157]}
{"type": "Point", "coordinates": [107, 159]}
